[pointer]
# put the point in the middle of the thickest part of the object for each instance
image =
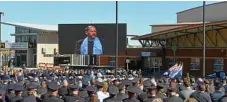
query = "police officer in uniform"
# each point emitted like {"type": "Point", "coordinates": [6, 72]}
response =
{"type": "Point", "coordinates": [32, 94]}
{"type": "Point", "coordinates": [53, 87]}
{"type": "Point", "coordinates": [73, 94]}
{"type": "Point", "coordinates": [122, 92]}
{"type": "Point", "coordinates": [113, 91]}
{"type": "Point", "coordinates": [19, 88]}
{"type": "Point", "coordinates": [132, 94]}
{"type": "Point", "coordinates": [11, 92]}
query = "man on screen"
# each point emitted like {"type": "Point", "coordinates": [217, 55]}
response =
{"type": "Point", "coordinates": [91, 44]}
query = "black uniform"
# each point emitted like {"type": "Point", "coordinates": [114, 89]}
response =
{"type": "Point", "coordinates": [173, 99]}
{"type": "Point", "coordinates": [53, 99]}
{"type": "Point", "coordinates": [31, 99]}
{"type": "Point", "coordinates": [131, 100]}
{"type": "Point", "coordinates": [16, 99]}
{"type": "Point", "coordinates": [223, 99]}
{"type": "Point", "coordinates": [73, 99]}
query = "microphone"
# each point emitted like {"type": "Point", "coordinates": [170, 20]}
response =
{"type": "Point", "coordinates": [77, 48]}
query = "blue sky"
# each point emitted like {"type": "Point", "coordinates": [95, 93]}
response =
{"type": "Point", "coordinates": [137, 15]}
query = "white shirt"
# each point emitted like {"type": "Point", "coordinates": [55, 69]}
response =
{"type": "Point", "coordinates": [102, 96]}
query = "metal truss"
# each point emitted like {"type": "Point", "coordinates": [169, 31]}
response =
{"type": "Point", "coordinates": [168, 40]}
{"type": "Point", "coordinates": [152, 43]}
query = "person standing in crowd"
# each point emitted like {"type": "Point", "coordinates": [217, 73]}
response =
{"type": "Point", "coordinates": [53, 87]}
{"type": "Point", "coordinates": [18, 92]}
{"type": "Point", "coordinates": [73, 95]}
{"type": "Point", "coordinates": [200, 95]}
{"type": "Point", "coordinates": [113, 90]}
{"type": "Point", "coordinates": [173, 96]}
{"type": "Point", "coordinates": [32, 94]}
{"type": "Point", "coordinates": [224, 97]}
{"type": "Point", "coordinates": [217, 94]}
{"type": "Point", "coordinates": [184, 94]}
{"type": "Point", "coordinates": [132, 94]}
{"type": "Point", "coordinates": [11, 92]}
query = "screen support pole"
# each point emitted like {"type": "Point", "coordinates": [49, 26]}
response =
{"type": "Point", "coordinates": [116, 56]}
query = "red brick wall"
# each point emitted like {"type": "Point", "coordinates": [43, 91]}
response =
{"type": "Point", "coordinates": [183, 54]}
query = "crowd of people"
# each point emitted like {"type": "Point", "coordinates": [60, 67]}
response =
{"type": "Point", "coordinates": [92, 85]}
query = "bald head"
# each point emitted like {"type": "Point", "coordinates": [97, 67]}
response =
{"type": "Point", "coordinates": [91, 31]}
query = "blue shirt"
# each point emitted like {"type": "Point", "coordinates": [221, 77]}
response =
{"type": "Point", "coordinates": [97, 48]}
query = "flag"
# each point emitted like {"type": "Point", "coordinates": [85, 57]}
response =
{"type": "Point", "coordinates": [175, 71]}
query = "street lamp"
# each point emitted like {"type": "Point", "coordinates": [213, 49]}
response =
{"type": "Point", "coordinates": [1, 13]}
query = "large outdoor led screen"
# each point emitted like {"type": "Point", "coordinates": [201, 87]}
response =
{"type": "Point", "coordinates": [92, 39]}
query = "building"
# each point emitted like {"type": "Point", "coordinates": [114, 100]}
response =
{"type": "Point", "coordinates": [37, 45]}
{"type": "Point", "coordinates": [183, 41]}
{"type": "Point", "coordinates": [34, 44]}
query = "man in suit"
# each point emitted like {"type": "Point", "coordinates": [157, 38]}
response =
{"type": "Point", "coordinates": [201, 95]}
{"type": "Point", "coordinates": [91, 44]}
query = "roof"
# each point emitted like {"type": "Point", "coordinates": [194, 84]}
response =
{"type": "Point", "coordinates": [146, 36]}
{"type": "Point", "coordinates": [201, 6]}
{"type": "Point", "coordinates": [34, 26]}
{"type": "Point", "coordinates": [177, 24]}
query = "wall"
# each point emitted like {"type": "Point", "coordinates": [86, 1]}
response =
{"type": "Point", "coordinates": [49, 42]}
{"type": "Point", "coordinates": [214, 12]}
{"type": "Point", "coordinates": [30, 57]}
{"type": "Point", "coordinates": [161, 28]}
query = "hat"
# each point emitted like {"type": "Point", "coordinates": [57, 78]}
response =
{"type": "Point", "coordinates": [91, 89]}
{"type": "Point", "coordinates": [18, 87]}
{"type": "Point", "coordinates": [53, 86]}
{"type": "Point", "coordinates": [113, 90]}
{"type": "Point", "coordinates": [160, 85]}
{"type": "Point", "coordinates": [134, 89]}
{"type": "Point", "coordinates": [121, 86]}
{"type": "Point", "coordinates": [10, 87]}
{"type": "Point", "coordinates": [127, 82]}
{"type": "Point", "coordinates": [31, 86]}
{"type": "Point", "coordinates": [135, 80]}
{"type": "Point", "coordinates": [147, 83]}
{"type": "Point", "coordinates": [99, 84]}
{"type": "Point", "coordinates": [73, 87]}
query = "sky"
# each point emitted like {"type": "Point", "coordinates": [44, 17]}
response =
{"type": "Point", "coordinates": [138, 15]}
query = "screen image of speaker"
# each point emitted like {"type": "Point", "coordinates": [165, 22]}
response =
{"type": "Point", "coordinates": [76, 38]}
{"type": "Point", "coordinates": [61, 60]}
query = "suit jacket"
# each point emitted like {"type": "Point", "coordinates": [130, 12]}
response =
{"type": "Point", "coordinates": [97, 48]}
{"type": "Point", "coordinates": [201, 96]}
{"type": "Point", "coordinates": [184, 94]}
{"type": "Point", "coordinates": [173, 99]}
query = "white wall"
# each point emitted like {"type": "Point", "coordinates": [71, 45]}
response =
{"type": "Point", "coordinates": [49, 42]}
{"type": "Point", "coordinates": [161, 28]}
{"type": "Point", "coordinates": [213, 12]}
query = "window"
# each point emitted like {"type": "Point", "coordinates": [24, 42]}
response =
{"type": "Point", "coordinates": [171, 62]}
{"type": "Point", "coordinates": [218, 65]}
{"type": "Point", "coordinates": [195, 64]}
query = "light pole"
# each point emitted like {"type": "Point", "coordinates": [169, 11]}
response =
{"type": "Point", "coordinates": [116, 56]}
{"type": "Point", "coordinates": [1, 13]}
{"type": "Point", "coordinates": [204, 40]}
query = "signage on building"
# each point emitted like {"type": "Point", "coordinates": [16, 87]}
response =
{"type": "Point", "coordinates": [146, 54]}
{"type": "Point", "coordinates": [17, 45]}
